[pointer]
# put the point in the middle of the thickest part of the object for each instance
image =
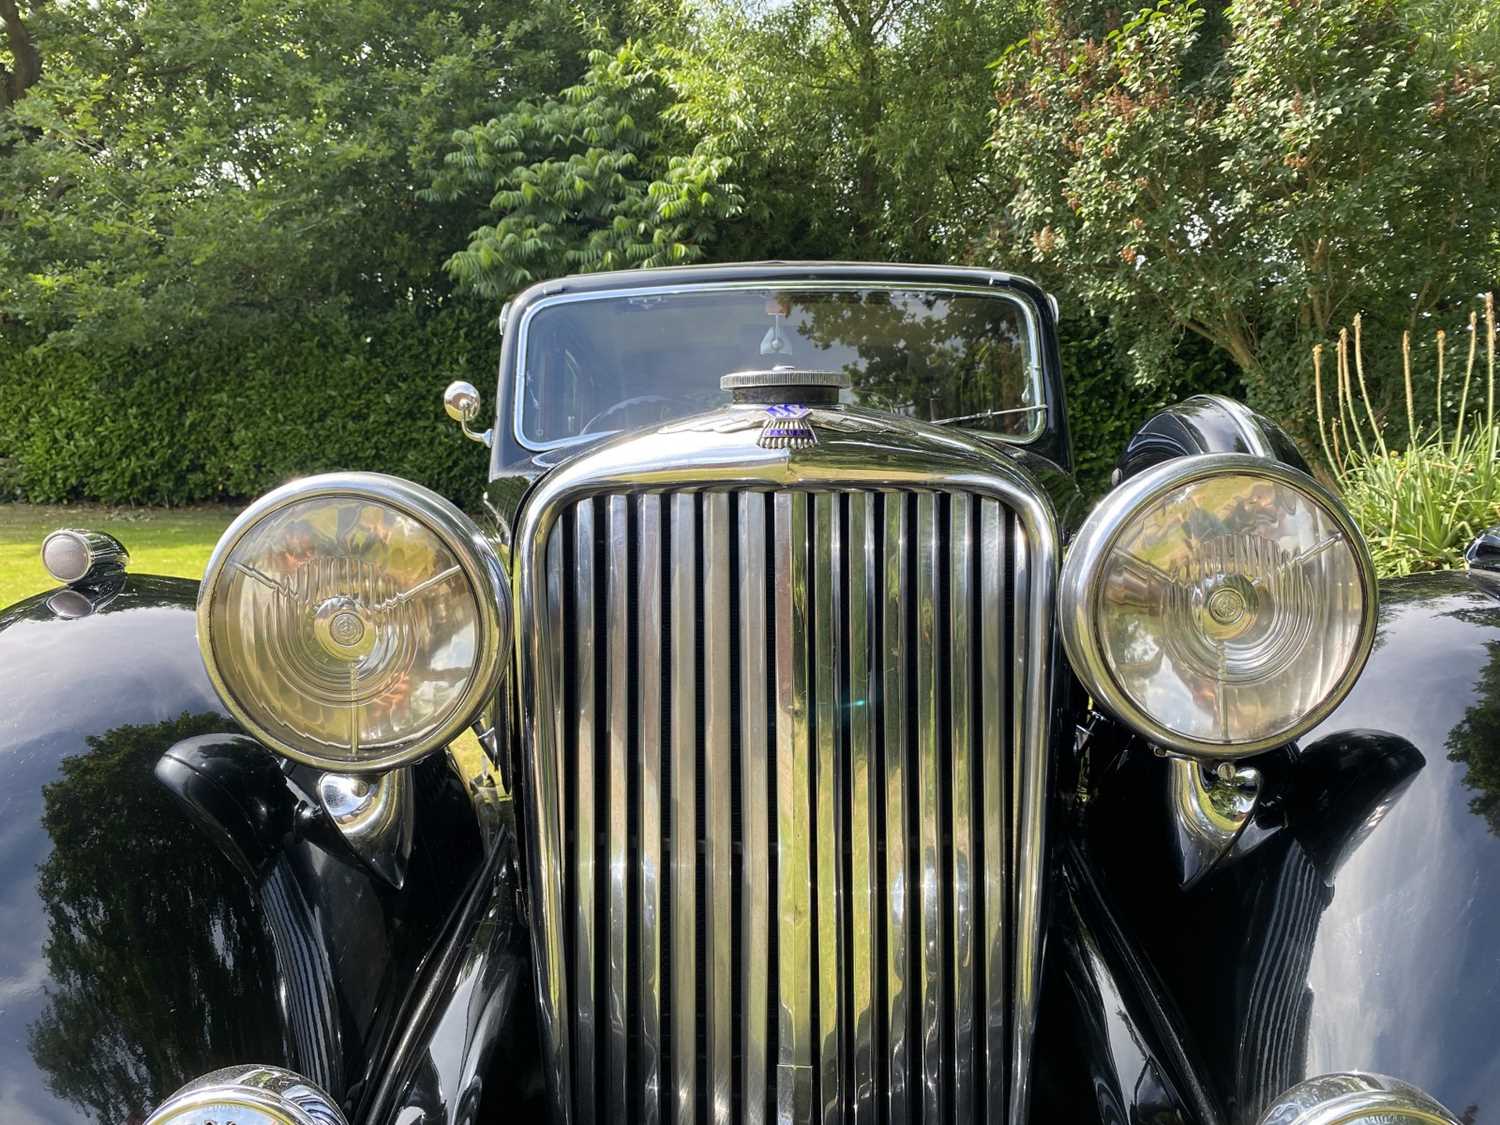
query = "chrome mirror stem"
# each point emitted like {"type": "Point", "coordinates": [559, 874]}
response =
{"type": "Point", "coordinates": [461, 401]}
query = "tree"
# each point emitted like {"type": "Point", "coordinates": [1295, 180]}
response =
{"type": "Point", "coordinates": [187, 164]}
{"type": "Point", "coordinates": [598, 177]}
{"type": "Point", "coordinates": [858, 126]}
{"type": "Point", "coordinates": [848, 129]}
{"type": "Point", "coordinates": [1257, 194]}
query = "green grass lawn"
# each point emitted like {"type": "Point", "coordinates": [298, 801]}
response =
{"type": "Point", "coordinates": [160, 540]}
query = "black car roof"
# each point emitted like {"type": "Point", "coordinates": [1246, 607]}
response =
{"type": "Point", "coordinates": [778, 271]}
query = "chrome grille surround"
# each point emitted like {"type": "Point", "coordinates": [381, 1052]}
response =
{"type": "Point", "coordinates": [617, 942]}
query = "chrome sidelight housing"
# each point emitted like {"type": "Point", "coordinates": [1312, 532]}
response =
{"type": "Point", "coordinates": [80, 558]}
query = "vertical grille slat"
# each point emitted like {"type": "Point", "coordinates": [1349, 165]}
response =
{"type": "Point", "coordinates": [794, 1063]}
{"type": "Point", "coordinates": [993, 681]}
{"type": "Point", "coordinates": [826, 569]}
{"type": "Point", "coordinates": [864, 815]}
{"type": "Point", "coordinates": [718, 872]}
{"type": "Point", "coordinates": [895, 758]}
{"type": "Point", "coordinates": [755, 889]}
{"type": "Point", "coordinates": [683, 906]}
{"type": "Point", "coordinates": [649, 657]}
{"type": "Point", "coordinates": [929, 812]}
{"type": "Point", "coordinates": [585, 837]}
{"type": "Point", "coordinates": [617, 688]}
{"type": "Point", "coordinates": [961, 616]}
{"type": "Point", "coordinates": [787, 781]}
{"type": "Point", "coordinates": [1026, 778]}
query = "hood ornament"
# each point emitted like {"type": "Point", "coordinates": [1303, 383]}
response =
{"type": "Point", "coordinates": [788, 393]}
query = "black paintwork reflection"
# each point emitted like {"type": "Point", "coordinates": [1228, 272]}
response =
{"type": "Point", "coordinates": [132, 957]}
{"type": "Point", "coordinates": [1109, 1053]}
{"type": "Point", "coordinates": [171, 905]}
{"type": "Point", "coordinates": [1474, 743]}
{"type": "Point", "coordinates": [143, 925]}
{"type": "Point", "coordinates": [1362, 930]}
{"type": "Point", "coordinates": [481, 1061]}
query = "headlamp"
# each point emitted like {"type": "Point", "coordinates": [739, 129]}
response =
{"type": "Point", "coordinates": [354, 621]}
{"type": "Point", "coordinates": [1220, 604]}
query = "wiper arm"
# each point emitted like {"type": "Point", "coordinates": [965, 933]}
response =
{"type": "Point", "coordinates": [1039, 408]}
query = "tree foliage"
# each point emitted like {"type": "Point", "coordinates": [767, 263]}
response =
{"type": "Point", "coordinates": [599, 177]}
{"type": "Point", "coordinates": [220, 201]}
{"type": "Point", "coordinates": [860, 123]}
{"type": "Point", "coordinates": [1257, 193]}
{"type": "Point", "coordinates": [184, 163]}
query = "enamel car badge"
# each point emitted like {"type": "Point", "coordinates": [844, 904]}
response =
{"type": "Point", "coordinates": [787, 427]}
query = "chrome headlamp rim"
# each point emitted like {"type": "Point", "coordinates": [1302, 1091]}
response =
{"type": "Point", "coordinates": [476, 556]}
{"type": "Point", "coordinates": [271, 1090]}
{"type": "Point", "coordinates": [1079, 590]}
{"type": "Point", "coordinates": [1351, 1097]}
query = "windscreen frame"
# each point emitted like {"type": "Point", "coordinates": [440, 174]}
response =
{"type": "Point", "coordinates": [1036, 356]}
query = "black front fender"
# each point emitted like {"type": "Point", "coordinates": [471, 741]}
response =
{"type": "Point", "coordinates": [173, 900]}
{"type": "Point", "coordinates": [133, 957]}
{"type": "Point", "coordinates": [1360, 927]}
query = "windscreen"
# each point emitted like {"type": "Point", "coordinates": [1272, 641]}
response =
{"type": "Point", "coordinates": [598, 365]}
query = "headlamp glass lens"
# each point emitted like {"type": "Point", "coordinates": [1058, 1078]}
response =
{"type": "Point", "coordinates": [344, 627]}
{"type": "Point", "coordinates": [1230, 607]}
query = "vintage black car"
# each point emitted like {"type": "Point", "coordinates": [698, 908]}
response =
{"type": "Point", "coordinates": [784, 739]}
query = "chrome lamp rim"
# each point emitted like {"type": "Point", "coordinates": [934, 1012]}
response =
{"type": "Point", "coordinates": [1355, 1097]}
{"type": "Point", "coordinates": [1079, 590]}
{"type": "Point", "coordinates": [476, 556]}
{"type": "Point", "coordinates": [274, 1091]}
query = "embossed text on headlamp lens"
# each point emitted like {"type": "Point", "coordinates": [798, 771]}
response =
{"type": "Point", "coordinates": [1230, 607]}
{"type": "Point", "coordinates": [344, 623]}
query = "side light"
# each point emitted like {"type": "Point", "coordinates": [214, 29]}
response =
{"type": "Point", "coordinates": [249, 1095]}
{"type": "Point", "coordinates": [354, 621]}
{"type": "Point", "coordinates": [78, 557]}
{"type": "Point", "coordinates": [1220, 605]}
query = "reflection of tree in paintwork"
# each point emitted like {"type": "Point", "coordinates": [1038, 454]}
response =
{"type": "Point", "coordinates": [1474, 742]}
{"type": "Point", "coordinates": [928, 354]}
{"type": "Point", "coordinates": [156, 973]}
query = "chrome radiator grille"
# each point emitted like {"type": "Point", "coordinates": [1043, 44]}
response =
{"type": "Point", "coordinates": [785, 734]}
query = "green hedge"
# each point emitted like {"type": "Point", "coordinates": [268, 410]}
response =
{"type": "Point", "coordinates": [1105, 405]}
{"type": "Point", "coordinates": [230, 417]}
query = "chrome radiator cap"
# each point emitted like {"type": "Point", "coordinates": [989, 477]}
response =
{"type": "Point", "coordinates": [1356, 1099]}
{"type": "Point", "coordinates": [785, 384]}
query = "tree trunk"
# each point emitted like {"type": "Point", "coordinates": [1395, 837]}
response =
{"type": "Point", "coordinates": [863, 27]}
{"type": "Point", "coordinates": [26, 58]}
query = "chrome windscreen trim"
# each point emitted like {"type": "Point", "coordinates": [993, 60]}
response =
{"type": "Point", "coordinates": [1033, 329]}
{"type": "Point", "coordinates": [716, 453]}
